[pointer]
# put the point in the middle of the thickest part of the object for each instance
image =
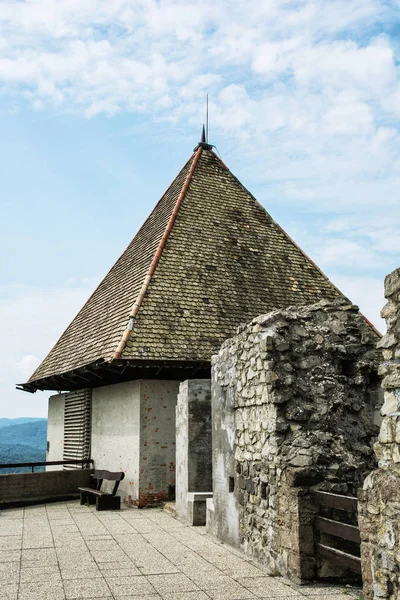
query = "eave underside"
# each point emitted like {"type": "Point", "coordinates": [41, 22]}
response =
{"type": "Point", "coordinates": [103, 373]}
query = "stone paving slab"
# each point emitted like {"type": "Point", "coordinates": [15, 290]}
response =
{"type": "Point", "coordinates": [65, 551]}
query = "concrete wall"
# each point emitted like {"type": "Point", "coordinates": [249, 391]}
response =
{"type": "Point", "coordinates": [55, 430]}
{"type": "Point", "coordinates": [182, 444]}
{"type": "Point", "coordinates": [21, 488]}
{"type": "Point", "coordinates": [225, 524]}
{"type": "Point", "coordinates": [157, 440]}
{"type": "Point", "coordinates": [115, 434]}
{"type": "Point", "coordinates": [193, 442]}
{"type": "Point", "coordinates": [133, 430]}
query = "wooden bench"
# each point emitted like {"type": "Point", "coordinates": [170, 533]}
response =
{"type": "Point", "coordinates": [103, 500]}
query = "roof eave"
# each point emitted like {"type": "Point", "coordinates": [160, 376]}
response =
{"type": "Point", "coordinates": [104, 373]}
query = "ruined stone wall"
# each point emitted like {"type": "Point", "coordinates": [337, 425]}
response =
{"type": "Point", "coordinates": [304, 389]}
{"type": "Point", "coordinates": [379, 502]}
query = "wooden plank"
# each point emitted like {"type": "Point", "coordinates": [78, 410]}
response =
{"type": "Point", "coordinates": [348, 561]}
{"type": "Point", "coordinates": [336, 501]}
{"type": "Point", "coordinates": [109, 475]}
{"type": "Point", "coordinates": [341, 530]}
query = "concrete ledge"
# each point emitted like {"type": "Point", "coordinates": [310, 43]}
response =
{"type": "Point", "coordinates": [196, 503]}
{"type": "Point", "coordinates": [198, 496]}
{"type": "Point", "coordinates": [32, 488]}
{"type": "Point", "coordinates": [210, 516]}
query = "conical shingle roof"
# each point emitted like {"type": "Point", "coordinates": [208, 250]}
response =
{"type": "Point", "coordinates": [222, 261]}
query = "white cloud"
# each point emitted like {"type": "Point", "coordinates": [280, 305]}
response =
{"type": "Point", "coordinates": [303, 84]}
{"type": "Point", "coordinates": [342, 252]}
{"type": "Point", "coordinates": [367, 293]}
{"type": "Point", "coordinates": [31, 320]}
{"type": "Point", "coordinates": [27, 365]}
{"type": "Point", "coordinates": [362, 241]}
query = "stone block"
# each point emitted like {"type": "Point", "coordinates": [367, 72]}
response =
{"type": "Point", "coordinates": [387, 341]}
{"type": "Point", "coordinates": [392, 283]}
{"type": "Point", "coordinates": [391, 403]}
{"type": "Point", "coordinates": [388, 431]}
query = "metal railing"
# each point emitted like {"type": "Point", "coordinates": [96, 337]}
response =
{"type": "Point", "coordinates": [31, 465]}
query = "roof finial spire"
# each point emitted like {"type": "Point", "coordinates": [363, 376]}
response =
{"type": "Point", "coordinates": [203, 136]}
{"type": "Point", "coordinates": [207, 121]}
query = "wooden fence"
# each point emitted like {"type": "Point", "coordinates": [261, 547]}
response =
{"type": "Point", "coordinates": [336, 525]}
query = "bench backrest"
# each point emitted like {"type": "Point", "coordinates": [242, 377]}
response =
{"type": "Point", "coordinates": [116, 476]}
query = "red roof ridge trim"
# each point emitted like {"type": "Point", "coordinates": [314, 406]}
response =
{"type": "Point", "coordinates": [97, 287]}
{"type": "Point", "coordinates": [156, 258]}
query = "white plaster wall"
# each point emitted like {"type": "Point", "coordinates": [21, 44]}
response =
{"type": "Point", "coordinates": [116, 434]}
{"type": "Point", "coordinates": [55, 430]}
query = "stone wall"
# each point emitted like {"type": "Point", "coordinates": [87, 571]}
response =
{"type": "Point", "coordinates": [299, 387]}
{"type": "Point", "coordinates": [379, 502]}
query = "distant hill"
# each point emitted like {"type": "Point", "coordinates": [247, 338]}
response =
{"type": "Point", "coordinates": [7, 422]}
{"type": "Point", "coordinates": [19, 453]}
{"type": "Point", "coordinates": [30, 434]}
{"type": "Point", "coordinates": [22, 440]}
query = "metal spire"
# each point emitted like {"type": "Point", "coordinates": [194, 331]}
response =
{"type": "Point", "coordinates": [207, 121]}
{"type": "Point", "coordinates": [203, 136]}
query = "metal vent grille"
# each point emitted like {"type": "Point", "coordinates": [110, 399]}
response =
{"type": "Point", "coordinates": [77, 426]}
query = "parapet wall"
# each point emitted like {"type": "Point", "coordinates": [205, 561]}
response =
{"type": "Point", "coordinates": [294, 395]}
{"type": "Point", "coordinates": [32, 488]}
{"type": "Point", "coordinates": [379, 502]}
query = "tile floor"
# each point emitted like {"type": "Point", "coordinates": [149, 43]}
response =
{"type": "Point", "coordinates": [64, 551]}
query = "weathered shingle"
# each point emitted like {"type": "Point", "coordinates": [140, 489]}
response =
{"type": "Point", "coordinates": [224, 262]}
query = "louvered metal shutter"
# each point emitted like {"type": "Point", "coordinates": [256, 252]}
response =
{"type": "Point", "coordinates": [77, 426]}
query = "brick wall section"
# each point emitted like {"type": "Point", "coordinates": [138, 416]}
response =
{"type": "Point", "coordinates": [302, 384]}
{"type": "Point", "coordinates": [379, 501]}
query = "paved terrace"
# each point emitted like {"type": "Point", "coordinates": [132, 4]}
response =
{"type": "Point", "coordinates": [65, 551]}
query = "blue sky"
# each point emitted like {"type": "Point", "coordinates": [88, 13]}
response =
{"type": "Point", "coordinates": [101, 103]}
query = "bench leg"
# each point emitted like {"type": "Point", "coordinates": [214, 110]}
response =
{"type": "Point", "coordinates": [108, 503]}
{"type": "Point", "coordinates": [87, 498]}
